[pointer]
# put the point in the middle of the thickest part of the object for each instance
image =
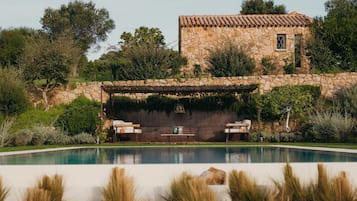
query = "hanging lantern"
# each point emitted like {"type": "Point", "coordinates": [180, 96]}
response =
{"type": "Point", "coordinates": [179, 108]}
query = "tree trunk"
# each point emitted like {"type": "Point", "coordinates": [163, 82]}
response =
{"type": "Point", "coordinates": [45, 100]}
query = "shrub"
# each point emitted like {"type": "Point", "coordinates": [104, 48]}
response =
{"type": "Point", "coordinates": [83, 138]}
{"type": "Point", "coordinates": [347, 100]}
{"type": "Point", "coordinates": [21, 138]}
{"type": "Point", "coordinates": [120, 187]}
{"type": "Point", "coordinates": [268, 65]}
{"type": "Point", "coordinates": [3, 190]}
{"type": "Point", "coordinates": [242, 188]}
{"type": "Point", "coordinates": [332, 126]}
{"type": "Point", "coordinates": [79, 116]}
{"type": "Point", "coordinates": [5, 126]}
{"type": "Point", "coordinates": [13, 98]}
{"type": "Point", "coordinates": [229, 60]}
{"type": "Point", "coordinates": [188, 187]}
{"type": "Point", "coordinates": [56, 137]}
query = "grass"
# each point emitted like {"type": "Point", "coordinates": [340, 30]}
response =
{"type": "Point", "coordinates": [120, 187]}
{"type": "Point", "coordinates": [3, 190]}
{"type": "Point", "coordinates": [36, 194]}
{"type": "Point", "coordinates": [241, 187]}
{"type": "Point", "coordinates": [204, 144]}
{"type": "Point", "coordinates": [189, 188]}
{"type": "Point", "coordinates": [54, 186]}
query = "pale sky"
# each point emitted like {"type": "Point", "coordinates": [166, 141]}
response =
{"type": "Point", "coordinates": [131, 14]}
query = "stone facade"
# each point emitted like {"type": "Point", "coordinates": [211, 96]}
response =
{"type": "Point", "coordinates": [329, 83]}
{"type": "Point", "coordinates": [257, 41]}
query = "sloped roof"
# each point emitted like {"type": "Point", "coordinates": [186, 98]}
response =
{"type": "Point", "coordinates": [267, 20]}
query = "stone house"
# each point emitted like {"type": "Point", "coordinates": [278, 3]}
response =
{"type": "Point", "coordinates": [279, 38]}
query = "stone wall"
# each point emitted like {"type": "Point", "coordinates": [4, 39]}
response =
{"type": "Point", "coordinates": [329, 83]}
{"type": "Point", "coordinates": [257, 42]}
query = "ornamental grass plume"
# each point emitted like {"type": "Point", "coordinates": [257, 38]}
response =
{"type": "Point", "coordinates": [119, 187]}
{"type": "Point", "coordinates": [3, 190]}
{"type": "Point", "coordinates": [189, 188]}
{"type": "Point", "coordinates": [37, 194]}
{"type": "Point", "coordinates": [343, 190]}
{"type": "Point", "coordinates": [241, 188]}
{"type": "Point", "coordinates": [290, 188]}
{"type": "Point", "coordinates": [54, 186]}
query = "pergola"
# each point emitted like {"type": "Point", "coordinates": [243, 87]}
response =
{"type": "Point", "coordinates": [182, 90]}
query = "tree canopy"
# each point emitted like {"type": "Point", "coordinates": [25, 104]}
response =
{"type": "Point", "coordinates": [12, 44]}
{"type": "Point", "coordinates": [47, 63]}
{"type": "Point", "coordinates": [143, 36]}
{"type": "Point", "coordinates": [336, 35]}
{"type": "Point", "coordinates": [84, 21]}
{"type": "Point", "coordinates": [261, 7]}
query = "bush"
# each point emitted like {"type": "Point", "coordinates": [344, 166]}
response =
{"type": "Point", "coordinates": [268, 65]}
{"type": "Point", "coordinates": [13, 98]}
{"type": "Point", "coordinates": [332, 126]}
{"type": "Point", "coordinates": [83, 138]}
{"type": "Point", "coordinates": [21, 138]}
{"type": "Point", "coordinates": [229, 60]}
{"type": "Point", "coordinates": [79, 116]}
{"type": "Point", "coordinates": [347, 100]}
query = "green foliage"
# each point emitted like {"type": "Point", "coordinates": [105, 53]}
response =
{"type": "Point", "coordinates": [229, 60]}
{"type": "Point", "coordinates": [36, 117]}
{"type": "Point", "coordinates": [82, 20]}
{"type": "Point", "coordinates": [188, 187]}
{"type": "Point", "coordinates": [268, 65]}
{"type": "Point", "coordinates": [276, 102]}
{"type": "Point", "coordinates": [261, 7]}
{"type": "Point", "coordinates": [289, 67]}
{"type": "Point", "coordinates": [12, 44]}
{"type": "Point", "coordinates": [83, 138]}
{"type": "Point", "coordinates": [79, 116]}
{"type": "Point", "coordinates": [13, 98]}
{"type": "Point", "coordinates": [347, 100]}
{"type": "Point", "coordinates": [337, 33]}
{"type": "Point", "coordinates": [143, 36]}
{"type": "Point", "coordinates": [197, 71]}
{"type": "Point", "coordinates": [321, 57]}
{"type": "Point", "coordinates": [49, 61]}
{"type": "Point", "coordinates": [163, 103]}
{"type": "Point", "coordinates": [110, 66]}
{"type": "Point", "coordinates": [332, 126]}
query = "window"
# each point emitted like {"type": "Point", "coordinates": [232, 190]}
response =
{"type": "Point", "coordinates": [281, 42]}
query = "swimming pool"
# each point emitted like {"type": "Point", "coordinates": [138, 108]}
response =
{"type": "Point", "coordinates": [177, 155]}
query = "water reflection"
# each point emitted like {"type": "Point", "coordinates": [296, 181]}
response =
{"type": "Point", "coordinates": [178, 155]}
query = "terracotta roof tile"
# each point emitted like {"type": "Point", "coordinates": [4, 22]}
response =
{"type": "Point", "coordinates": [292, 19]}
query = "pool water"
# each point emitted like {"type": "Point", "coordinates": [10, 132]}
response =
{"type": "Point", "coordinates": [172, 155]}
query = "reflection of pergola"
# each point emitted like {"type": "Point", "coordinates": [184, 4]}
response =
{"type": "Point", "coordinates": [112, 88]}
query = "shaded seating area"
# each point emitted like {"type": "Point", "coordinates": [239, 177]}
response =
{"type": "Point", "coordinates": [121, 127]}
{"type": "Point", "coordinates": [237, 127]}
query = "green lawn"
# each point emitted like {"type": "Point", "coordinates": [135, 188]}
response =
{"type": "Point", "coordinates": [217, 144]}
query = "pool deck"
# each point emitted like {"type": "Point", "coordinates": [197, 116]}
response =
{"type": "Point", "coordinates": [84, 182]}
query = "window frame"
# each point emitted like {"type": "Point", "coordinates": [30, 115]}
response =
{"type": "Point", "coordinates": [281, 42]}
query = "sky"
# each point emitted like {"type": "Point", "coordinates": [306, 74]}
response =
{"type": "Point", "coordinates": [131, 14]}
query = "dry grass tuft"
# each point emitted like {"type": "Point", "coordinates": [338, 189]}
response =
{"type": "Point", "coordinates": [3, 190]}
{"type": "Point", "coordinates": [47, 189]}
{"type": "Point", "coordinates": [189, 188]}
{"type": "Point", "coordinates": [37, 194]}
{"type": "Point", "coordinates": [242, 188]}
{"type": "Point", "coordinates": [119, 187]}
{"type": "Point", "coordinates": [343, 188]}
{"type": "Point", "coordinates": [53, 185]}
{"type": "Point", "coordinates": [291, 188]}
